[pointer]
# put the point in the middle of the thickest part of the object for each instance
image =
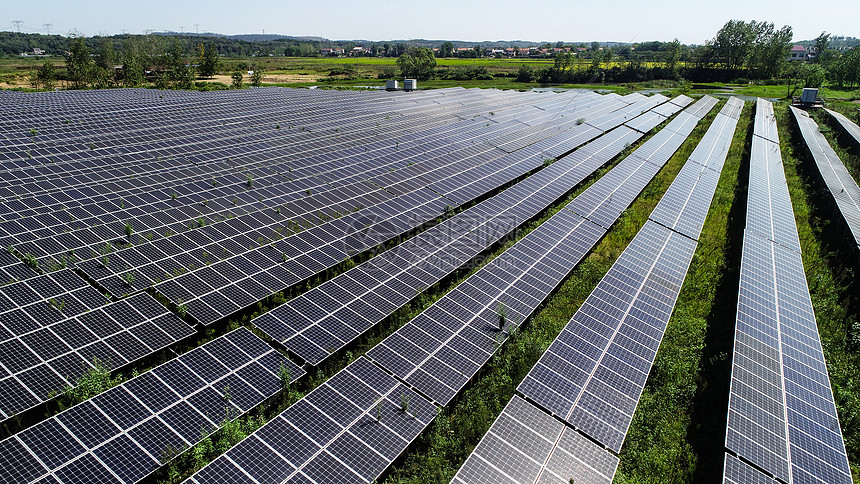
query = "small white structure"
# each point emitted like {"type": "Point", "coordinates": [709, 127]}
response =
{"type": "Point", "coordinates": [391, 85]}
{"type": "Point", "coordinates": [410, 84]}
{"type": "Point", "coordinates": [809, 95]}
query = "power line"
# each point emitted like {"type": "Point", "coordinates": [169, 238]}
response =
{"type": "Point", "coordinates": [17, 25]}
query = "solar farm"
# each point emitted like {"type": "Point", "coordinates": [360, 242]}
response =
{"type": "Point", "coordinates": [221, 248]}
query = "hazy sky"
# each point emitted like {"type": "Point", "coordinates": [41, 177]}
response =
{"type": "Point", "coordinates": [692, 22]}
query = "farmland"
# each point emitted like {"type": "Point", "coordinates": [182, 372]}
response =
{"type": "Point", "coordinates": [291, 254]}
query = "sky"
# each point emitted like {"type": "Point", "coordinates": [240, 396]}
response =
{"type": "Point", "coordinates": [692, 22]}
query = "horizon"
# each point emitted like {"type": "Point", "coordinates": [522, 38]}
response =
{"type": "Point", "coordinates": [413, 39]}
{"type": "Point", "coordinates": [624, 21]}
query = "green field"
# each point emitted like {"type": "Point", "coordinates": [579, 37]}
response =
{"type": "Point", "coordinates": [304, 72]}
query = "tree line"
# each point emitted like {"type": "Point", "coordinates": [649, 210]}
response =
{"type": "Point", "coordinates": [160, 61]}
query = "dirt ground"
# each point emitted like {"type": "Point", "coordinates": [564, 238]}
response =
{"type": "Point", "coordinates": [269, 78]}
{"type": "Point", "coordinates": [10, 83]}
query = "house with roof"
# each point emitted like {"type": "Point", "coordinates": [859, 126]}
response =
{"type": "Point", "coordinates": [798, 53]}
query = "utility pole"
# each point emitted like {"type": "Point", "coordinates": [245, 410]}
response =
{"type": "Point", "coordinates": [17, 25]}
{"type": "Point", "coordinates": [48, 27]}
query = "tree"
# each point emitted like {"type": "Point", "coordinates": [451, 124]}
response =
{"type": "Point", "coordinates": [821, 43]}
{"type": "Point", "coordinates": [446, 50]}
{"type": "Point", "coordinates": [104, 54]}
{"type": "Point", "coordinates": [79, 63]}
{"type": "Point", "coordinates": [257, 77]}
{"type": "Point", "coordinates": [237, 80]}
{"type": "Point", "coordinates": [562, 62]}
{"type": "Point", "coordinates": [477, 50]}
{"type": "Point", "coordinates": [104, 72]}
{"type": "Point", "coordinates": [133, 61]}
{"type": "Point", "coordinates": [845, 71]}
{"type": "Point", "coordinates": [418, 62]}
{"type": "Point", "coordinates": [771, 48]}
{"type": "Point", "coordinates": [46, 75]}
{"type": "Point", "coordinates": [733, 43]}
{"type": "Point", "coordinates": [673, 55]}
{"type": "Point", "coordinates": [525, 74]}
{"type": "Point", "coordinates": [516, 51]}
{"type": "Point", "coordinates": [208, 60]}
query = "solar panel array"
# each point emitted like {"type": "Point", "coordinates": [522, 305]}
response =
{"type": "Point", "coordinates": [129, 431]}
{"type": "Point", "coordinates": [843, 187]}
{"type": "Point", "coordinates": [120, 199]}
{"type": "Point", "coordinates": [850, 128]}
{"type": "Point", "coordinates": [347, 430]}
{"type": "Point", "coordinates": [332, 419]}
{"type": "Point", "coordinates": [592, 375]}
{"type": "Point", "coordinates": [782, 418]}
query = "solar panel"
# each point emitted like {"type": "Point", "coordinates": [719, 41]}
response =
{"type": "Point", "coordinates": [839, 181]}
{"type": "Point", "coordinates": [764, 125]}
{"type": "Point", "coordinates": [594, 372]}
{"type": "Point", "coordinates": [685, 204]}
{"type": "Point", "coordinates": [736, 471]}
{"type": "Point", "coordinates": [847, 125]}
{"type": "Point", "coordinates": [525, 444]}
{"type": "Point", "coordinates": [769, 210]}
{"type": "Point", "coordinates": [130, 430]}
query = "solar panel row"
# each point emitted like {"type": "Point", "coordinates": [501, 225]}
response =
{"type": "Point", "coordinates": [781, 414]}
{"type": "Point", "coordinates": [843, 187]}
{"type": "Point", "coordinates": [850, 128]}
{"type": "Point", "coordinates": [525, 444]}
{"type": "Point", "coordinates": [129, 431]}
{"type": "Point", "coordinates": [592, 375]}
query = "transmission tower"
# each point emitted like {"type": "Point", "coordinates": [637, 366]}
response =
{"type": "Point", "coordinates": [197, 29]}
{"type": "Point", "coordinates": [17, 25]}
{"type": "Point", "coordinates": [48, 27]}
{"type": "Point", "coordinates": [181, 29]}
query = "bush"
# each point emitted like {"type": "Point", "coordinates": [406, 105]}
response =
{"type": "Point", "coordinates": [387, 72]}
{"type": "Point", "coordinates": [525, 74]}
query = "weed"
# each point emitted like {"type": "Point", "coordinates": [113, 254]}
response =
{"type": "Point", "coordinates": [57, 304]}
{"type": "Point", "coordinates": [502, 314]}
